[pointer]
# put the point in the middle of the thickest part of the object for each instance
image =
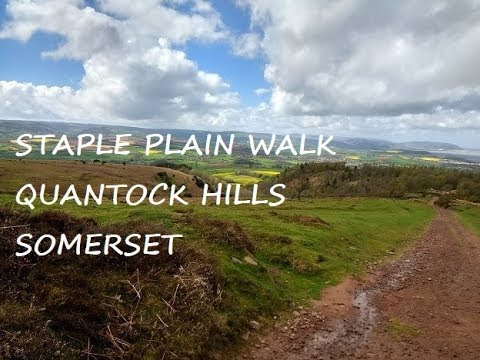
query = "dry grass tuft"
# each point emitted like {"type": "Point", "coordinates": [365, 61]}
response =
{"type": "Point", "coordinates": [97, 307]}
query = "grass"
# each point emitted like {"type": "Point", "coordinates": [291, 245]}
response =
{"type": "Point", "coordinates": [401, 330]}
{"type": "Point", "coordinates": [234, 177]}
{"type": "Point", "coordinates": [74, 307]}
{"type": "Point", "coordinates": [429, 158]}
{"type": "Point", "coordinates": [301, 247]}
{"type": "Point", "coordinates": [469, 214]}
{"type": "Point", "coordinates": [244, 176]}
{"type": "Point", "coordinates": [267, 172]}
{"type": "Point", "coordinates": [16, 173]}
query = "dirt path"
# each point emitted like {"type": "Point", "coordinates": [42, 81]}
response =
{"type": "Point", "coordinates": [425, 306]}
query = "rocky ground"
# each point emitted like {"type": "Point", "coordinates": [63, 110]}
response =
{"type": "Point", "coordinates": [425, 305]}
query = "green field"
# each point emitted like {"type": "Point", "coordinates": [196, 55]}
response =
{"type": "Point", "coordinates": [261, 260]}
{"type": "Point", "coordinates": [469, 214]}
{"type": "Point", "coordinates": [346, 233]}
{"type": "Point", "coordinates": [300, 248]}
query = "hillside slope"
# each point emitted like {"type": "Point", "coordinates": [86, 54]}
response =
{"type": "Point", "coordinates": [16, 173]}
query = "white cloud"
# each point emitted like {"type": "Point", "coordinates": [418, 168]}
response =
{"type": "Point", "coordinates": [366, 67]}
{"type": "Point", "coordinates": [27, 101]}
{"type": "Point", "coordinates": [247, 45]}
{"type": "Point", "coordinates": [372, 60]}
{"type": "Point", "coordinates": [132, 70]}
{"type": "Point", "coordinates": [153, 19]}
{"type": "Point", "coordinates": [261, 91]}
{"type": "Point", "coordinates": [86, 31]}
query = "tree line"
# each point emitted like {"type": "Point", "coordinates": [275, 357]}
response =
{"type": "Point", "coordinates": [338, 179]}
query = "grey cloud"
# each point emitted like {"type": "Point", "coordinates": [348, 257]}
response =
{"type": "Point", "coordinates": [370, 57]}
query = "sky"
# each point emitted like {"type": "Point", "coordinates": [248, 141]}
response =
{"type": "Point", "coordinates": [397, 70]}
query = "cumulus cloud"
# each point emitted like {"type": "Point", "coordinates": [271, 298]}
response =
{"type": "Point", "coordinates": [26, 101]}
{"type": "Point", "coordinates": [159, 83]}
{"type": "Point", "coordinates": [367, 67]}
{"type": "Point", "coordinates": [372, 59]}
{"type": "Point", "coordinates": [247, 45]}
{"type": "Point", "coordinates": [132, 69]}
{"type": "Point", "coordinates": [152, 18]}
{"type": "Point", "coordinates": [86, 31]}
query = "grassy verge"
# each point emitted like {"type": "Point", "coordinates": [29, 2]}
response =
{"type": "Point", "coordinates": [470, 215]}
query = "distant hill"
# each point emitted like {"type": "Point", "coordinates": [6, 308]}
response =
{"type": "Point", "coordinates": [378, 144]}
{"type": "Point", "coordinates": [428, 146]}
{"type": "Point", "coordinates": [10, 129]}
{"type": "Point", "coordinates": [14, 174]}
{"type": "Point", "coordinates": [363, 144]}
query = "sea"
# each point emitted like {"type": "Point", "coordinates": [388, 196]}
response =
{"type": "Point", "coordinates": [465, 154]}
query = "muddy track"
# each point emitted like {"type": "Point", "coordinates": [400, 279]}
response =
{"type": "Point", "coordinates": [425, 305]}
